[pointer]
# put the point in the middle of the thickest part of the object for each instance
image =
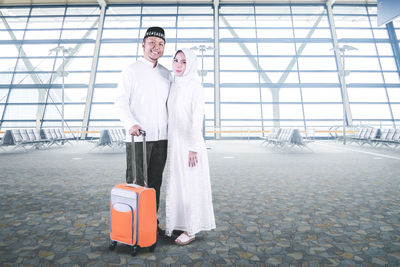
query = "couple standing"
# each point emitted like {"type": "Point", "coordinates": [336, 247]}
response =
{"type": "Point", "coordinates": [149, 99]}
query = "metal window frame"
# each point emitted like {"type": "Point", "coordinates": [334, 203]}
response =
{"type": "Point", "coordinates": [215, 8]}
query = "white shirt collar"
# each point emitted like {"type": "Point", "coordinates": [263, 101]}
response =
{"type": "Point", "coordinates": [145, 61]}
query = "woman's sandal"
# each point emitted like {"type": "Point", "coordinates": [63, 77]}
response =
{"type": "Point", "coordinates": [184, 239]}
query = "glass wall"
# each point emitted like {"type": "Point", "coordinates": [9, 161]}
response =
{"type": "Point", "coordinates": [277, 66]}
{"type": "Point", "coordinates": [46, 56]}
{"type": "Point", "coordinates": [371, 74]}
{"type": "Point", "coordinates": [124, 28]}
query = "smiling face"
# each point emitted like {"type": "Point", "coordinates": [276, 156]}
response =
{"type": "Point", "coordinates": [179, 64]}
{"type": "Point", "coordinates": [153, 48]}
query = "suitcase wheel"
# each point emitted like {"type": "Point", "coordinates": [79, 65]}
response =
{"type": "Point", "coordinates": [112, 245]}
{"type": "Point", "coordinates": [153, 247]}
{"type": "Point", "coordinates": [134, 251]}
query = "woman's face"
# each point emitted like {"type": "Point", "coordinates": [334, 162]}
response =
{"type": "Point", "coordinates": [179, 64]}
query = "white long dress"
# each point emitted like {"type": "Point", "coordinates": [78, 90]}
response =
{"type": "Point", "coordinates": [188, 189]}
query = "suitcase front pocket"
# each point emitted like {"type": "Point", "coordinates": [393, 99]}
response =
{"type": "Point", "coordinates": [123, 224]}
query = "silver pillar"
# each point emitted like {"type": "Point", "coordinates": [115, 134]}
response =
{"type": "Point", "coordinates": [89, 97]}
{"type": "Point", "coordinates": [217, 93]}
{"type": "Point", "coordinates": [347, 117]}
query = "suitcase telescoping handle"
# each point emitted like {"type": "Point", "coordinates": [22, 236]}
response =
{"type": "Point", "coordinates": [143, 133]}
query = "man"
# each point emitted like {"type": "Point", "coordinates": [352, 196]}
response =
{"type": "Point", "coordinates": [142, 104]}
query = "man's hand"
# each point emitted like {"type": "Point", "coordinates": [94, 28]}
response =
{"type": "Point", "coordinates": [192, 158]}
{"type": "Point", "coordinates": [134, 130]}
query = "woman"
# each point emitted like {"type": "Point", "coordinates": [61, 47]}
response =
{"type": "Point", "coordinates": [188, 189]}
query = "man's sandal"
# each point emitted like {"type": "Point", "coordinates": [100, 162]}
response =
{"type": "Point", "coordinates": [184, 239]}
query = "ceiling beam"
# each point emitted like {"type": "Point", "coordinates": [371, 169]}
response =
{"type": "Point", "coordinates": [75, 2]}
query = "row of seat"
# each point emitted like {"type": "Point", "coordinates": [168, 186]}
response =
{"type": "Point", "coordinates": [112, 138]}
{"type": "Point", "coordinates": [376, 137]}
{"type": "Point", "coordinates": [285, 137]}
{"type": "Point", "coordinates": [33, 139]}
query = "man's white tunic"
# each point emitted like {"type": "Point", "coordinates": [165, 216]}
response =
{"type": "Point", "coordinates": [141, 99]}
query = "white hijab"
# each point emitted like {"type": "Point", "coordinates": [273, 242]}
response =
{"type": "Point", "coordinates": [190, 73]}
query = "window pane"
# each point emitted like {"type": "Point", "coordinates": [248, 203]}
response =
{"type": "Point", "coordinates": [240, 94]}
{"type": "Point", "coordinates": [43, 11]}
{"type": "Point", "coordinates": [236, 63]}
{"type": "Point", "coordinates": [45, 23]}
{"type": "Point", "coordinates": [164, 21]}
{"type": "Point", "coordinates": [370, 111]}
{"type": "Point", "coordinates": [123, 10]}
{"type": "Point", "coordinates": [8, 51]}
{"type": "Point", "coordinates": [237, 49]}
{"type": "Point", "coordinates": [364, 77]}
{"type": "Point", "coordinates": [195, 21]}
{"type": "Point", "coordinates": [77, 34]}
{"type": "Point", "coordinates": [276, 49]}
{"type": "Point", "coordinates": [322, 95]}
{"type": "Point", "coordinates": [290, 111]}
{"type": "Point", "coordinates": [239, 77]}
{"type": "Point", "coordinates": [122, 21]}
{"type": "Point", "coordinates": [394, 94]}
{"type": "Point", "coordinates": [326, 63]}
{"type": "Point", "coordinates": [353, 63]}
{"type": "Point", "coordinates": [270, 21]}
{"type": "Point", "coordinates": [5, 78]}
{"type": "Point", "coordinates": [275, 63]}
{"type": "Point", "coordinates": [236, 21]}
{"type": "Point", "coordinates": [395, 110]}
{"type": "Point", "coordinates": [26, 96]}
{"type": "Point", "coordinates": [200, 33]}
{"type": "Point", "coordinates": [8, 64]}
{"type": "Point", "coordinates": [279, 77]}
{"type": "Point", "coordinates": [159, 10]}
{"type": "Point", "coordinates": [289, 95]}
{"type": "Point", "coordinates": [239, 33]}
{"type": "Point", "coordinates": [310, 21]}
{"type": "Point", "coordinates": [24, 11]}
{"type": "Point", "coordinates": [53, 112]}
{"type": "Point", "coordinates": [16, 24]}
{"type": "Point", "coordinates": [113, 63]}
{"type": "Point", "coordinates": [37, 35]}
{"type": "Point", "coordinates": [196, 10]}
{"type": "Point", "coordinates": [326, 111]}
{"type": "Point", "coordinates": [367, 94]}
{"type": "Point", "coordinates": [21, 112]}
{"type": "Point", "coordinates": [95, 10]}
{"type": "Point", "coordinates": [126, 49]}
{"type": "Point", "coordinates": [354, 33]}
{"type": "Point", "coordinates": [384, 49]}
{"type": "Point", "coordinates": [103, 94]}
{"type": "Point", "coordinates": [391, 77]}
{"type": "Point", "coordinates": [236, 111]}
{"type": "Point", "coordinates": [319, 77]}
{"type": "Point", "coordinates": [106, 111]}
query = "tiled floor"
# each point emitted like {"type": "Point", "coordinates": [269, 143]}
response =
{"type": "Point", "coordinates": [333, 205]}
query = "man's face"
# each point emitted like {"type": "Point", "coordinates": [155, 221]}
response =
{"type": "Point", "coordinates": [153, 48]}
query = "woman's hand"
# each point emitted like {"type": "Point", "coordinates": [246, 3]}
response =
{"type": "Point", "coordinates": [192, 158]}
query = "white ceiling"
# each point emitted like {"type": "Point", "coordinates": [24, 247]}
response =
{"type": "Point", "coordinates": [53, 2]}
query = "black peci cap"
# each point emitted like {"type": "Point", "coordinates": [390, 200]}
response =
{"type": "Point", "coordinates": [156, 32]}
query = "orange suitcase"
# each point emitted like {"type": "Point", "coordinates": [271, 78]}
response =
{"type": "Point", "coordinates": [133, 211]}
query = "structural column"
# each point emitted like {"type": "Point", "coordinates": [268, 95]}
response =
{"type": "Point", "coordinates": [217, 92]}
{"type": "Point", "coordinates": [89, 97]}
{"type": "Point", "coordinates": [395, 44]}
{"type": "Point", "coordinates": [339, 63]}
